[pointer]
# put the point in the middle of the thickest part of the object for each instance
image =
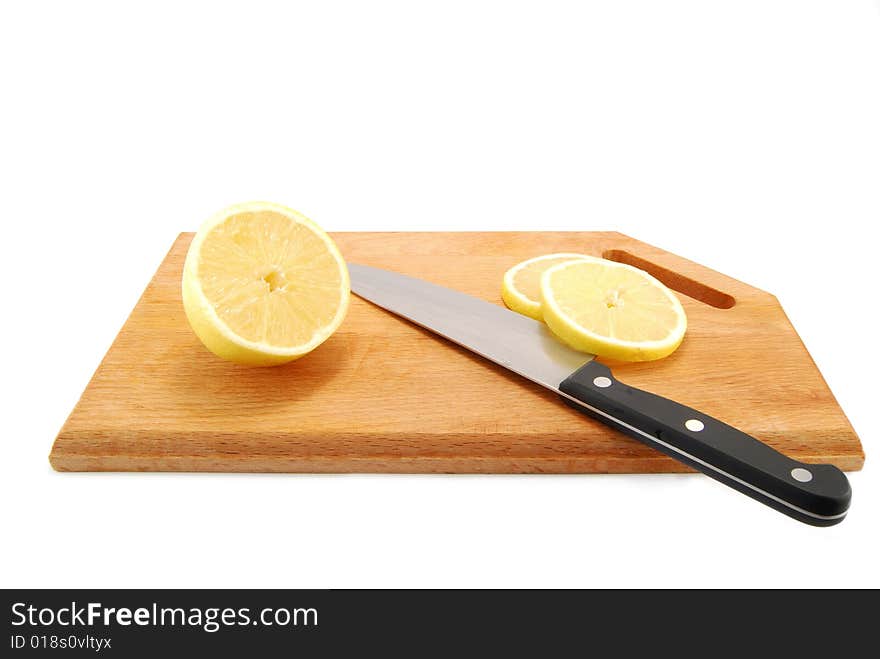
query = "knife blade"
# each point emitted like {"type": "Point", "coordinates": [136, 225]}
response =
{"type": "Point", "coordinates": [816, 494]}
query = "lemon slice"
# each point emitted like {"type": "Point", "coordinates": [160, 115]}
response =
{"type": "Point", "coordinates": [521, 287]}
{"type": "Point", "coordinates": [612, 310]}
{"type": "Point", "coordinates": [263, 284]}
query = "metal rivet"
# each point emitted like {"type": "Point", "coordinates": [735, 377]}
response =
{"type": "Point", "coordinates": [602, 381]}
{"type": "Point", "coordinates": [694, 424]}
{"type": "Point", "coordinates": [801, 475]}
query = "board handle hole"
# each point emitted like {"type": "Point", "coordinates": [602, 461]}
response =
{"type": "Point", "coordinates": [674, 280]}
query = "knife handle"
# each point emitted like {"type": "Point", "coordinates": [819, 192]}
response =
{"type": "Point", "coordinates": [817, 494]}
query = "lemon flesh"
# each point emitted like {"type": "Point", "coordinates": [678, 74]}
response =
{"type": "Point", "coordinates": [612, 310]}
{"type": "Point", "coordinates": [521, 286]}
{"type": "Point", "coordinates": [263, 284]}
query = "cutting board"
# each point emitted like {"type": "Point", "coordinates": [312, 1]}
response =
{"type": "Point", "coordinates": [382, 395]}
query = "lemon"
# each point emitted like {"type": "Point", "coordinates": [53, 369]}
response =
{"type": "Point", "coordinates": [263, 284]}
{"type": "Point", "coordinates": [521, 286]}
{"type": "Point", "coordinates": [612, 310]}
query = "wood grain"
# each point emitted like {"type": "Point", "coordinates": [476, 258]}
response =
{"type": "Point", "coordinates": [385, 396]}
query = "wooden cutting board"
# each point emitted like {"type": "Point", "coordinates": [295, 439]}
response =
{"type": "Point", "coordinates": [382, 395]}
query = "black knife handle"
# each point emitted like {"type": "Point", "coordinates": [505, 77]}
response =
{"type": "Point", "coordinates": [817, 494]}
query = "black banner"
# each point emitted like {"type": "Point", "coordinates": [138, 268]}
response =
{"type": "Point", "coordinates": [121, 623]}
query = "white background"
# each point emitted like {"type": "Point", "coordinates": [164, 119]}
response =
{"type": "Point", "coordinates": [743, 135]}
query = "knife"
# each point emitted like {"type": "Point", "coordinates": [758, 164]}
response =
{"type": "Point", "coordinates": [817, 494]}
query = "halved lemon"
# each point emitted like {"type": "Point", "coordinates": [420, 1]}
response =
{"type": "Point", "coordinates": [612, 310]}
{"type": "Point", "coordinates": [521, 286]}
{"type": "Point", "coordinates": [263, 284]}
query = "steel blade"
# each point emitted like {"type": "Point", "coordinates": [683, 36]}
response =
{"type": "Point", "coordinates": [512, 340]}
